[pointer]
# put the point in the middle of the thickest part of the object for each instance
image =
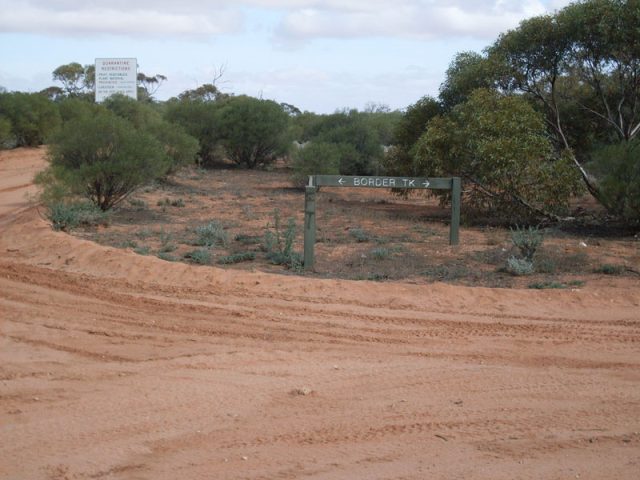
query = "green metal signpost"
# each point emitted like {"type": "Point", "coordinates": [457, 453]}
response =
{"type": "Point", "coordinates": [452, 183]}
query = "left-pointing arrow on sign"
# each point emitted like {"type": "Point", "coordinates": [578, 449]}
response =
{"type": "Point", "coordinates": [341, 181]}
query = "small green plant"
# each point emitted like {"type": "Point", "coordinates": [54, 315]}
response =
{"type": "Point", "coordinates": [168, 247]}
{"type": "Point", "coordinates": [166, 202]}
{"type": "Point", "coordinates": [248, 239]}
{"type": "Point", "coordinates": [377, 277]}
{"type": "Point", "coordinates": [553, 284]}
{"type": "Point", "coordinates": [144, 234]}
{"type": "Point", "coordinates": [166, 256]}
{"type": "Point", "coordinates": [527, 240]}
{"type": "Point", "coordinates": [67, 216]}
{"type": "Point", "coordinates": [137, 203]}
{"type": "Point", "coordinates": [237, 258]}
{"type": "Point", "coordinates": [610, 269]}
{"type": "Point", "coordinates": [142, 250]}
{"type": "Point", "coordinates": [279, 244]}
{"type": "Point", "coordinates": [201, 256]}
{"type": "Point", "coordinates": [211, 234]}
{"type": "Point", "coordinates": [360, 235]}
{"type": "Point", "coordinates": [128, 244]}
{"type": "Point", "coordinates": [519, 266]}
{"type": "Point", "coordinates": [380, 253]}
{"type": "Point", "coordinates": [549, 284]}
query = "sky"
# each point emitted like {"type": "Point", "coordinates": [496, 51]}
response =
{"type": "Point", "coordinates": [319, 55]}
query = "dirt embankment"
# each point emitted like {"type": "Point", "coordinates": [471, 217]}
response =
{"type": "Point", "coordinates": [116, 365]}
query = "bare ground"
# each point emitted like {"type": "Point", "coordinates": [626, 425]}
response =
{"type": "Point", "coordinates": [117, 365]}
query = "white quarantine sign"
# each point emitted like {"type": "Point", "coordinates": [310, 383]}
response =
{"type": "Point", "coordinates": [116, 75]}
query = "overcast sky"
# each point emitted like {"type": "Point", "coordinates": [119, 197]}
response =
{"type": "Point", "coordinates": [320, 55]}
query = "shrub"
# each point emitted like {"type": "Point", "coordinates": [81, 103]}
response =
{"type": "Point", "coordinates": [360, 235]}
{"type": "Point", "coordinates": [519, 266]}
{"type": "Point", "coordinates": [67, 216]}
{"type": "Point", "coordinates": [211, 234]}
{"type": "Point", "coordinates": [166, 256]}
{"type": "Point", "coordinates": [201, 256]}
{"type": "Point", "coordinates": [279, 244]}
{"type": "Point", "coordinates": [500, 147]}
{"type": "Point", "coordinates": [618, 169]}
{"type": "Point", "coordinates": [237, 258]}
{"type": "Point", "coordinates": [105, 159]}
{"type": "Point", "coordinates": [198, 118]}
{"type": "Point", "coordinates": [527, 240]}
{"type": "Point", "coordinates": [6, 133]}
{"type": "Point", "coordinates": [380, 253]}
{"type": "Point", "coordinates": [253, 132]}
{"type": "Point", "coordinates": [315, 158]}
{"type": "Point", "coordinates": [610, 269]}
{"type": "Point", "coordinates": [180, 147]}
{"type": "Point", "coordinates": [33, 117]}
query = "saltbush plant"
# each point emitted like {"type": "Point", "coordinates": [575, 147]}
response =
{"type": "Point", "coordinates": [211, 234]}
{"type": "Point", "coordinates": [279, 244]}
{"type": "Point", "coordinates": [527, 240]}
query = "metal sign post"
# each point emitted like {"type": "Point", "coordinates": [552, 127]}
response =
{"type": "Point", "coordinates": [452, 183]}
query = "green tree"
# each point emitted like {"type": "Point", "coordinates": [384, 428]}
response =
{"type": "Point", "coordinates": [498, 145]}
{"type": "Point", "coordinates": [76, 80]}
{"type": "Point", "coordinates": [253, 132]}
{"type": "Point", "coordinates": [618, 167]}
{"type": "Point", "coordinates": [149, 85]}
{"type": "Point", "coordinates": [315, 158]}
{"type": "Point", "coordinates": [467, 72]}
{"type": "Point", "coordinates": [199, 119]}
{"type": "Point", "coordinates": [33, 117]}
{"type": "Point", "coordinates": [104, 157]}
{"type": "Point", "coordinates": [581, 66]}
{"type": "Point", "coordinates": [410, 127]}
{"type": "Point", "coordinates": [6, 133]}
{"type": "Point", "coordinates": [181, 147]}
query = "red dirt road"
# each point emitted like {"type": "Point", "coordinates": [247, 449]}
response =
{"type": "Point", "coordinates": [120, 366]}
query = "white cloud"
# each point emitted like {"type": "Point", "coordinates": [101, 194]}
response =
{"type": "Point", "coordinates": [300, 19]}
{"type": "Point", "coordinates": [75, 18]}
{"type": "Point", "coordinates": [412, 19]}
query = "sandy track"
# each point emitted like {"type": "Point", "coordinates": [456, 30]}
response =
{"type": "Point", "coordinates": [114, 365]}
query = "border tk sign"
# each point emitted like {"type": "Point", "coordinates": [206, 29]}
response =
{"type": "Point", "coordinates": [452, 183]}
{"type": "Point", "coordinates": [116, 75]}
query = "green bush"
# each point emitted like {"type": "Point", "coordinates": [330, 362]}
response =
{"type": "Point", "coordinates": [6, 133]}
{"type": "Point", "coordinates": [104, 158]}
{"type": "Point", "coordinates": [198, 118]}
{"type": "Point", "coordinates": [201, 256]}
{"type": "Point", "coordinates": [527, 240]}
{"type": "Point", "coordinates": [610, 269]}
{"type": "Point", "coordinates": [519, 266]}
{"type": "Point", "coordinates": [178, 145]}
{"type": "Point", "coordinates": [618, 170]}
{"type": "Point", "coordinates": [33, 117]}
{"type": "Point", "coordinates": [315, 158]}
{"type": "Point", "coordinates": [360, 235]}
{"type": "Point", "coordinates": [237, 258]}
{"type": "Point", "coordinates": [67, 216]}
{"type": "Point", "coordinates": [253, 132]}
{"type": "Point", "coordinates": [279, 244]}
{"type": "Point", "coordinates": [211, 234]}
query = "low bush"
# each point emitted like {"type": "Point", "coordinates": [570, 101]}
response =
{"type": "Point", "coordinates": [519, 266]}
{"type": "Point", "coordinates": [67, 216]}
{"type": "Point", "coordinates": [279, 244]}
{"type": "Point", "coordinates": [527, 240]}
{"type": "Point", "coordinates": [211, 234]}
{"type": "Point", "coordinates": [237, 258]}
{"type": "Point", "coordinates": [201, 256]}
